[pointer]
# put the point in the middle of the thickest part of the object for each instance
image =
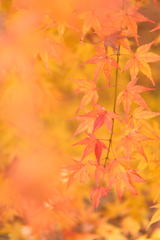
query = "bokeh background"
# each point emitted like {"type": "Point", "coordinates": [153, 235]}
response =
{"type": "Point", "coordinates": [41, 55]}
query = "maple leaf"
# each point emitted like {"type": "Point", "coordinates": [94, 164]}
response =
{"type": "Point", "coordinates": [129, 18]}
{"type": "Point", "coordinates": [87, 120]}
{"type": "Point", "coordinates": [97, 194]}
{"type": "Point", "coordinates": [94, 119]}
{"type": "Point", "coordinates": [128, 178]}
{"type": "Point", "coordinates": [89, 89]}
{"type": "Point", "coordinates": [103, 63]}
{"type": "Point", "coordinates": [134, 176]}
{"type": "Point", "coordinates": [140, 113]}
{"type": "Point", "coordinates": [86, 125]}
{"type": "Point", "coordinates": [139, 61]}
{"type": "Point", "coordinates": [75, 170]}
{"type": "Point", "coordinates": [92, 145]}
{"type": "Point", "coordinates": [104, 117]}
{"type": "Point", "coordinates": [132, 141]}
{"type": "Point", "coordinates": [132, 94]}
{"type": "Point", "coordinates": [98, 149]}
{"type": "Point", "coordinates": [122, 178]}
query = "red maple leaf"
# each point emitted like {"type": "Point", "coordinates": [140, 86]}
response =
{"type": "Point", "coordinates": [92, 145]}
{"type": "Point", "coordinates": [104, 117]}
{"type": "Point", "coordinates": [139, 61]}
{"type": "Point", "coordinates": [87, 120]}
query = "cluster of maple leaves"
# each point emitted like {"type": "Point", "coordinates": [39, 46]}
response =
{"type": "Point", "coordinates": [113, 139]}
{"type": "Point", "coordinates": [112, 157]}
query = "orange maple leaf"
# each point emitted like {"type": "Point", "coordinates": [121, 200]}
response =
{"type": "Point", "coordinates": [132, 141]}
{"type": "Point", "coordinates": [132, 94]}
{"type": "Point", "coordinates": [103, 62]}
{"type": "Point", "coordinates": [137, 117]}
{"type": "Point", "coordinates": [121, 178]}
{"type": "Point", "coordinates": [88, 87]}
{"type": "Point", "coordinates": [92, 145]}
{"type": "Point", "coordinates": [76, 170]}
{"type": "Point", "coordinates": [139, 61]}
{"type": "Point", "coordinates": [126, 180]}
{"type": "Point", "coordinates": [130, 17]}
{"type": "Point", "coordinates": [140, 113]}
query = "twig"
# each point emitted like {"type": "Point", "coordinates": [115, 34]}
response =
{"type": "Point", "coordinates": [114, 107]}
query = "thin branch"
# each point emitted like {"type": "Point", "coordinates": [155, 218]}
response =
{"type": "Point", "coordinates": [114, 107]}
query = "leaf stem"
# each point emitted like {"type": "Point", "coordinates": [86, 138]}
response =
{"type": "Point", "coordinates": [114, 107]}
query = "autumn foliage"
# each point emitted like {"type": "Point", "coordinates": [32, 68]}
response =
{"type": "Point", "coordinates": [79, 119]}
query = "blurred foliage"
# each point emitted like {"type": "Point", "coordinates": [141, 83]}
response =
{"type": "Point", "coordinates": [41, 55]}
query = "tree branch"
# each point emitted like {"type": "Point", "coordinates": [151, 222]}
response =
{"type": "Point", "coordinates": [114, 107]}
